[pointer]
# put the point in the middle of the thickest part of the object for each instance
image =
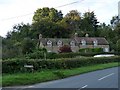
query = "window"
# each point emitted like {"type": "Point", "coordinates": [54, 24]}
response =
{"type": "Point", "coordinates": [49, 43]}
{"type": "Point", "coordinates": [72, 43]}
{"type": "Point", "coordinates": [95, 43]}
{"type": "Point", "coordinates": [59, 43]}
{"type": "Point", "coordinates": [83, 42]}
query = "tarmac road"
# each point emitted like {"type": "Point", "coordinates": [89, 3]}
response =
{"type": "Point", "coordinates": [106, 79]}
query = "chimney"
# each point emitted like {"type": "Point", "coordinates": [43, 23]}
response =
{"type": "Point", "coordinates": [87, 35]}
{"type": "Point", "coordinates": [76, 35]}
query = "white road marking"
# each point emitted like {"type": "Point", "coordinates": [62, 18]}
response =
{"type": "Point", "coordinates": [30, 86]}
{"type": "Point", "coordinates": [106, 76]}
{"type": "Point", "coordinates": [84, 86]}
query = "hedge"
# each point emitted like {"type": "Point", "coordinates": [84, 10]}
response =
{"type": "Point", "coordinates": [91, 50]}
{"type": "Point", "coordinates": [52, 55]}
{"type": "Point", "coordinates": [17, 65]}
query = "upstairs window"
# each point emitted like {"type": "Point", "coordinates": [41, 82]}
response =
{"type": "Point", "coordinates": [49, 43]}
{"type": "Point", "coordinates": [83, 42]}
{"type": "Point", "coordinates": [72, 43]}
{"type": "Point", "coordinates": [59, 43]}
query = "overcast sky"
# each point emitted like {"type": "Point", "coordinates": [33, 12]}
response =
{"type": "Point", "coordinates": [17, 11]}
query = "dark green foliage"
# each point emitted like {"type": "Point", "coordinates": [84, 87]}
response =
{"type": "Point", "coordinates": [47, 13]}
{"type": "Point", "coordinates": [52, 55]}
{"type": "Point", "coordinates": [37, 54]}
{"type": "Point", "coordinates": [27, 46]}
{"type": "Point", "coordinates": [91, 50]}
{"type": "Point", "coordinates": [51, 24]}
{"type": "Point", "coordinates": [88, 24]}
{"type": "Point", "coordinates": [118, 45]}
{"type": "Point", "coordinates": [59, 74]}
{"type": "Point", "coordinates": [10, 49]}
{"type": "Point", "coordinates": [50, 29]}
{"type": "Point", "coordinates": [17, 65]}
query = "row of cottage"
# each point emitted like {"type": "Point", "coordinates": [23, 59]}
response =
{"type": "Point", "coordinates": [53, 44]}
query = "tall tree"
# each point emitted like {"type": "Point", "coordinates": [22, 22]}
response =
{"type": "Point", "coordinates": [114, 22]}
{"type": "Point", "coordinates": [47, 13]}
{"type": "Point", "coordinates": [19, 32]}
{"type": "Point", "coordinates": [89, 23]}
{"type": "Point", "coordinates": [50, 29]}
{"type": "Point", "coordinates": [73, 18]}
{"type": "Point", "coordinates": [48, 22]}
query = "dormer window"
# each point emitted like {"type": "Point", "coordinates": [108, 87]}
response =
{"type": "Point", "coordinates": [95, 43]}
{"type": "Point", "coordinates": [83, 42]}
{"type": "Point", "coordinates": [72, 43]}
{"type": "Point", "coordinates": [49, 43]}
{"type": "Point", "coordinates": [59, 43]}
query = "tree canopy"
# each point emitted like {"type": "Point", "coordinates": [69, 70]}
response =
{"type": "Point", "coordinates": [52, 24]}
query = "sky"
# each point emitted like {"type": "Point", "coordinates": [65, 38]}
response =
{"type": "Point", "coordinates": [16, 11]}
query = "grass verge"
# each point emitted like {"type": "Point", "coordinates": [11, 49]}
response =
{"type": "Point", "coordinates": [47, 75]}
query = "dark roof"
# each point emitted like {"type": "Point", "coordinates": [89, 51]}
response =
{"type": "Point", "coordinates": [55, 40]}
{"type": "Point", "coordinates": [89, 40]}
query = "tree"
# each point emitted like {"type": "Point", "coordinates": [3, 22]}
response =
{"type": "Point", "coordinates": [73, 18]}
{"type": "Point", "coordinates": [19, 32]}
{"type": "Point", "coordinates": [115, 21]}
{"type": "Point", "coordinates": [117, 30]}
{"type": "Point", "coordinates": [27, 46]}
{"type": "Point", "coordinates": [47, 13]}
{"type": "Point", "coordinates": [118, 45]}
{"type": "Point", "coordinates": [89, 23]}
{"type": "Point", "coordinates": [9, 49]}
{"type": "Point", "coordinates": [50, 23]}
{"type": "Point", "coordinates": [50, 29]}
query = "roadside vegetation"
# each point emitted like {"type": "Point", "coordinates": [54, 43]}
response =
{"type": "Point", "coordinates": [20, 47]}
{"type": "Point", "coordinates": [47, 75]}
{"type": "Point", "coordinates": [17, 65]}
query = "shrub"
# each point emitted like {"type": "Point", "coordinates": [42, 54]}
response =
{"type": "Point", "coordinates": [37, 54]}
{"type": "Point", "coordinates": [91, 50]}
{"type": "Point", "coordinates": [65, 49]}
{"type": "Point", "coordinates": [51, 55]}
{"type": "Point", "coordinates": [17, 65]}
{"type": "Point", "coordinates": [27, 45]}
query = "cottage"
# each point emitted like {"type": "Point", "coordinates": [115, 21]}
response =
{"type": "Point", "coordinates": [53, 44]}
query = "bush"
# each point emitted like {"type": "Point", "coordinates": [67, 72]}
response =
{"type": "Point", "coordinates": [65, 49]}
{"type": "Point", "coordinates": [17, 65]}
{"type": "Point", "coordinates": [91, 50]}
{"type": "Point", "coordinates": [51, 55]}
{"type": "Point", "coordinates": [37, 54]}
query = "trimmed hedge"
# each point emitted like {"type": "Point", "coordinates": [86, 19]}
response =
{"type": "Point", "coordinates": [91, 50]}
{"type": "Point", "coordinates": [17, 65]}
{"type": "Point", "coordinates": [51, 55]}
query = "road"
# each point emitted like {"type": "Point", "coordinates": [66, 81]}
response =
{"type": "Point", "coordinates": [105, 79]}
